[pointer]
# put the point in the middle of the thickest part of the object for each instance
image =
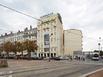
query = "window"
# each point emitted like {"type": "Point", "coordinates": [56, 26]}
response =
{"type": "Point", "coordinates": [44, 29]}
{"type": "Point", "coordinates": [55, 49]}
{"type": "Point", "coordinates": [51, 39]}
{"type": "Point", "coordinates": [48, 54]}
{"type": "Point", "coordinates": [54, 54]}
{"type": "Point", "coordinates": [54, 33]}
{"type": "Point", "coordinates": [46, 49]}
{"type": "Point", "coordinates": [46, 39]}
{"type": "Point", "coordinates": [54, 27]}
{"type": "Point", "coordinates": [44, 55]}
{"type": "Point", "coordinates": [47, 29]}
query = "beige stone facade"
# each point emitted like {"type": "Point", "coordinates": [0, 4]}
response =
{"type": "Point", "coordinates": [20, 36]}
{"type": "Point", "coordinates": [50, 35]}
{"type": "Point", "coordinates": [72, 41]}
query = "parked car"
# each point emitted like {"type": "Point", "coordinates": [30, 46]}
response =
{"type": "Point", "coordinates": [56, 58]}
{"type": "Point", "coordinates": [95, 57]}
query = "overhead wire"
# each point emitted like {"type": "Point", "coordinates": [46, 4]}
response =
{"type": "Point", "coordinates": [5, 6]}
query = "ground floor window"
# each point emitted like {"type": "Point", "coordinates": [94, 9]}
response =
{"type": "Point", "coordinates": [39, 54]}
{"type": "Point", "coordinates": [54, 54]}
{"type": "Point", "coordinates": [44, 55]}
{"type": "Point", "coordinates": [47, 55]}
{"type": "Point", "coordinates": [51, 54]}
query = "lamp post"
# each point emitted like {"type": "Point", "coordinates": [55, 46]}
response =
{"type": "Point", "coordinates": [49, 45]}
{"type": "Point", "coordinates": [99, 45]}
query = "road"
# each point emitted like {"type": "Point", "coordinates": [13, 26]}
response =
{"type": "Point", "coordinates": [58, 69]}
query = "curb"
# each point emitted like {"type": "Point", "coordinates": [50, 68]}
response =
{"type": "Point", "coordinates": [85, 75]}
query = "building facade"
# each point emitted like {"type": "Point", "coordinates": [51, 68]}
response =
{"type": "Point", "coordinates": [20, 36]}
{"type": "Point", "coordinates": [72, 41]}
{"type": "Point", "coordinates": [50, 35]}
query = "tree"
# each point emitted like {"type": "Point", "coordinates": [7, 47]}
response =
{"type": "Point", "coordinates": [14, 47]}
{"type": "Point", "coordinates": [30, 46]}
{"type": "Point", "coordinates": [8, 47]}
{"type": "Point", "coordinates": [18, 47]}
{"type": "Point", "coordinates": [1, 48]}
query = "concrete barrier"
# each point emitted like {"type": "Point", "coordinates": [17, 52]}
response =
{"type": "Point", "coordinates": [3, 63]}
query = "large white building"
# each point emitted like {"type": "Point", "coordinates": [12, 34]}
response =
{"type": "Point", "coordinates": [50, 35]}
{"type": "Point", "coordinates": [72, 41]}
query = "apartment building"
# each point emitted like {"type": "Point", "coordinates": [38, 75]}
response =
{"type": "Point", "coordinates": [72, 41]}
{"type": "Point", "coordinates": [20, 36]}
{"type": "Point", "coordinates": [50, 35]}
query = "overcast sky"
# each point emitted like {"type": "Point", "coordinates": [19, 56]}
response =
{"type": "Point", "coordinates": [86, 15]}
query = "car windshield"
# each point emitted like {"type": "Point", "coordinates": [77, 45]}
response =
{"type": "Point", "coordinates": [96, 55]}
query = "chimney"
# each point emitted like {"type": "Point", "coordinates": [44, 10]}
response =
{"type": "Point", "coordinates": [26, 29]}
{"type": "Point", "coordinates": [11, 33]}
{"type": "Point", "coordinates": [6, 34]}
{"type": "Point", "coordinates": [30, 27]}
{"type": "Point", "coordinates": [18, 31]}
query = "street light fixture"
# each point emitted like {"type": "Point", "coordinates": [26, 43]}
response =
{"type": "Point", "coordinates": [99, 44]}
{"type": "Point", "coordinates": [49, 45]}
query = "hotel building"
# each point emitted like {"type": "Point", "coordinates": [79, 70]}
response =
{"type": "Point", "coordinates": [50, 35]}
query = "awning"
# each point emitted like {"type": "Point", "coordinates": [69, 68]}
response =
{"type": "Point", "coordinates": [11, 53]}
{"type": "Point", "coordinates": [18, 53]}
{"type": "Point", "coordinates": [25, 52]}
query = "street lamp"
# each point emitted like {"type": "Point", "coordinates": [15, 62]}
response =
{"type": "Point", "coordinates": [99, 45]}
{"type": "Point", "coordinates": [49, 45]}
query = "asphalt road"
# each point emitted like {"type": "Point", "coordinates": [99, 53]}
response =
{"type": "Point", "coordinates": [64, 69]}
